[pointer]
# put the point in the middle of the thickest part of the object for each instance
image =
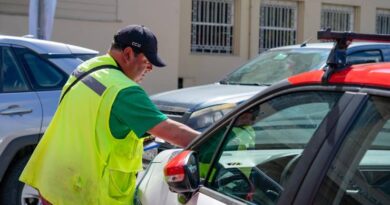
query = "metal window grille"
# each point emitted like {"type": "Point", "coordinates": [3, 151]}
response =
{"type": "Point", "coordinates": [383, 21]}
{"type": "Point", "coordinates": [278, 24]}
{"type": "Point", "coordinates": [212, 26]}
{"type": "Point", "coordinates": [338, 18]}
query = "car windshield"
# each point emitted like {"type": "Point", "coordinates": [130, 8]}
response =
{"type": "Point", "coordinates": [275, 65]}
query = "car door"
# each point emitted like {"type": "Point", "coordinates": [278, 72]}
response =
{"type": "Point", "coordinates": [250, 158]}
{"type": "Point", "coordinates": [20, 108]}
{"type": "Point", "coordinates": [45, 78]}
{"type": "Point", "coordinates": [358, 172]}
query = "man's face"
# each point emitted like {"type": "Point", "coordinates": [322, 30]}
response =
{"type": "Point", "coordinates": [245, 119]}
{"type": "Point", "coordinates": [136, 66]}
{"type": "Point", "coordinates": [141, 68]}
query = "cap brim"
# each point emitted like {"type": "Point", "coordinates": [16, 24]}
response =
{"type": "Point", "coordinates": [154, 59]}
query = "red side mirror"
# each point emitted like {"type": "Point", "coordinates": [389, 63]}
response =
{"type": "Point", "coordinates": [182, 172]}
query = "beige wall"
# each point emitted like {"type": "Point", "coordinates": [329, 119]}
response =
{"type": "Point", "coordinates": [171, 21]}
{"type": "Point", "coordinates": [206, 68]}
{"type": "Point", "coordinates": [365, 15]}
{"type": "Point", "coordinates": [13, 25]}
{"type": "Point", "coordinates": [162, 19]}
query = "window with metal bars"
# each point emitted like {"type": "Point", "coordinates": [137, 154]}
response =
{"type": "Point", "coordinates": [278, 24]}
{"type": "Point", "coordinates": [383, 21]}
{"type": "Point", "coordinates": [337, 18]}
{"type": "Point", "coordinates": [212, 26]}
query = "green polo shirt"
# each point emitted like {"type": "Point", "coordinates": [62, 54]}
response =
{"type": "Point", "coordinates": [133, 110]}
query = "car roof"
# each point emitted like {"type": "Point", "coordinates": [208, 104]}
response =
{"type": "Point", "coordinates": [370, 75]}
{"type": "Point", "coordinates": [44, 46]}
{"type": "Point", "coordinates": [329, 45]}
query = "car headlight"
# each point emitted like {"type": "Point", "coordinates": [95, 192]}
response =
{"type": "Point", "coordinates": [202, 119]}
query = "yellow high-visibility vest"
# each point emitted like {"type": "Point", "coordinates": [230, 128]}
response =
{"type": "Point", "coordinates": [78, 161]}
{"type": "Point", "coordinates": [244, 139]}
{"type": "Point", "coordinates": [245, 136]}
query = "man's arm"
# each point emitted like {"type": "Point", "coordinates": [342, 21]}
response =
{"type": "Point", "coordinates": [174, 132]}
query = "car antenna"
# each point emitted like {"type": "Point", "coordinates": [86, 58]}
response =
{"type": "Point", "coordinates": [304, 44]}
{"type": "Point", "coordinates": [337, 59]}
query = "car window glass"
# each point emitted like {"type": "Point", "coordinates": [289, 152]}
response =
{"type": "Point", "coordinates": [360, 172]}
{"type": "Point", "coordinates": [360, 57]}
{"type": "Point", "coordinates": [207, 150]}
{"type": "Point", "coordinates": [12, 78]}
{"type": "Point", "coordinates": [275, 65]}
{"type": "Point", "coordinates": [264, 144]}
{"type": "Point", "coordinates": [67, 64]}
{"type": "Point", "coordinates": [43, 75]}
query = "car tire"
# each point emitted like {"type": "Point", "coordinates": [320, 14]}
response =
{"type": "Point", "coordinates": [12, 191]}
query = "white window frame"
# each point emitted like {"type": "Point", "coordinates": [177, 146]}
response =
{"type": "Point", "coordinates": [333, 16]}
{"type": "Point", "coordinates": [383, 21]}
{"type": "Point", "coordinates": [283, 30]}
{"type": "Point", "coordinates": [212, 30]}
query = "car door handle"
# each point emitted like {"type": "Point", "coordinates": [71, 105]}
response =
{"type": "Point", "coordinates": [352, 192]}
{"type": "Point", "coordinates": [15, 110]}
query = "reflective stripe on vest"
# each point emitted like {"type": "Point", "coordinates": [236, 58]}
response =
{"type": "Point", "coordinates": [95, 85]}
{"type": "Point", "coordinates": [91, 83]}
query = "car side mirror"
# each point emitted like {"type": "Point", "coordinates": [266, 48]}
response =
{"type": "Point", "coordinates": [182, 172]}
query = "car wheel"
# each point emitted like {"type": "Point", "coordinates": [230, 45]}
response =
{"type": "Point", "coordinates": [29, 196]}
{"type": "Point", "coordinates": [14, 192]}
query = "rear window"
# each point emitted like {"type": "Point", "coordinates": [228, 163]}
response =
{"type": "Point", "coordinates": [67, 64]}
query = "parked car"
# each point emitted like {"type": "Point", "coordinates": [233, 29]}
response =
{"type": "Point", "coordinates": [32, 73]}
{"type": "Point", "coordinates": [201, 106]}
{"type": "Point", "coordinates": [320, 137]}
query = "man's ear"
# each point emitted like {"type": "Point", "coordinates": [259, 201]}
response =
{"type": "Point", "coordinates": [128, 53]}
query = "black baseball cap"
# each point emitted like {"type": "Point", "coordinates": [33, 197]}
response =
{"type": "Point", "coordinates": [141, 39]}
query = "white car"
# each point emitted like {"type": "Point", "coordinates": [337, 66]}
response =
{"type": "Point", "coordinates": [321, 137]}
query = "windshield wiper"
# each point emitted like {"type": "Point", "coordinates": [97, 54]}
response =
{"type": "Point", "coordinates": [225, 82]}
{"type": "Point", "coordinates": [255, 84]}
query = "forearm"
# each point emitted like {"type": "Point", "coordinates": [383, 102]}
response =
{"type": "Point", "coordinates": [174, 132]}
{"type": "Point", "coordinates": [182, 135]}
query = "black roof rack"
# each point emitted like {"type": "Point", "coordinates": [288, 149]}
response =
{"type": "Point", "coordinates": [337, 59]}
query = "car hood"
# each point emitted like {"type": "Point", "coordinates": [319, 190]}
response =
{"type": "Point", "coordinates": [194, 98]}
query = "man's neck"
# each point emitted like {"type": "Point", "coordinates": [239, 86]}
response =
{"type": "Point", "coordinates": [114, 55]}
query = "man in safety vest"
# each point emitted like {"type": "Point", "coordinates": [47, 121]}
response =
{"type": "Point", "coordinates": [92, 149]}
{"type": "Point", "coordinates": [242, 136]}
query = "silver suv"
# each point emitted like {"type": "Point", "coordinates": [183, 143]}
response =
{"type": "Point", "coordinates": [32, 73]}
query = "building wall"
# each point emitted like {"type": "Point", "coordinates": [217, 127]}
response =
{"type": "Point", "coordinates": [197, 68]}
{"type": "Point", "coordinates": [171, 21]}
{"type": "Point", "coordinates": [163, 20]}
